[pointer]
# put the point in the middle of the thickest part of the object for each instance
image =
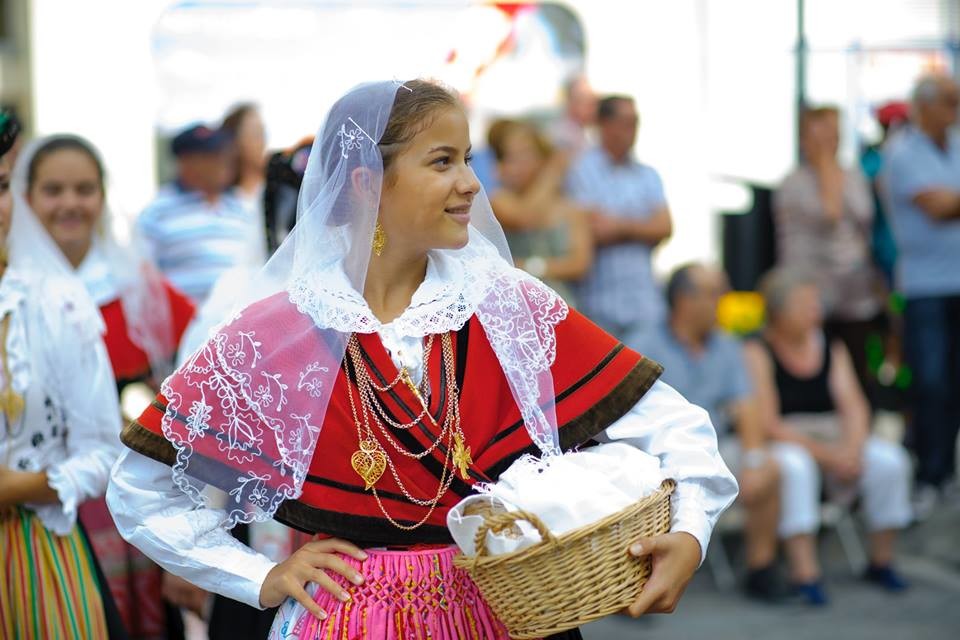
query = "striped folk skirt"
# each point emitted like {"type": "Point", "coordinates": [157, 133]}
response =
{"type": "Point", "coordinates": [48, 583]}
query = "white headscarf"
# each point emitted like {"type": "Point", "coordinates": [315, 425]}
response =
{"type": "Point", "coordinates": [129, 275]}
{"type": "Point", "coordinates": [58, 312]}
{"type": "Point", "coordinates": [253, 408]}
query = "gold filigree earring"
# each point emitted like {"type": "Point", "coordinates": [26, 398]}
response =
{"type": "Point", "coordinates": [379, 239]}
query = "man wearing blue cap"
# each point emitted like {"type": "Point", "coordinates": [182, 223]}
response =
{"type": "Point", "coordinates": [194, 228]}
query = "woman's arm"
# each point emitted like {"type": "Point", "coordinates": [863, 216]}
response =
{"type": "Point", "coordinates": [187, 540]}
{"type": "Point", "coordinates": [89, 396]}
{"type": "Point", "coordinates": [531, 209]}
{"type": "Point", "coordinates": [190, 541]}
{"type": "Point", "coordinates": [516, 213]}
{"type": "Point", "coordinates": [19, 487]}
{"type": "Point", "coordinates": [579, 257]}
{"type": "Point", "coordinates": [666, 425]}
{"type": "Point", "coordinates": [858, 198]}
{"type": "Point", "coordinates": [830, 187]}
{"type": "Point", "coordinates": [797, 216]}
{"type": "Point", "coordinates": [852, 408]}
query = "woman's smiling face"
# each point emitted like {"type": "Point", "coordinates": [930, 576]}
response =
{"type": "Point", "coordinates": [429, 187]}
{"type": "Point", "coordinates": [66, 194]}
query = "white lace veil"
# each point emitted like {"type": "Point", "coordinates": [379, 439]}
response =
{"type": "Point", "coordinates": [135, 280]}
{"type": "Point", "coordinates": [245, 410]}
{"type": "Point", "coordinates": [30, 250]}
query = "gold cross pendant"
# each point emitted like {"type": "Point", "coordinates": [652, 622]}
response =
{"type": "Point", "coordinates": [461, 456]}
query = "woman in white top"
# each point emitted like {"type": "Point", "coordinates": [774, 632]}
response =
{"type": "Point", "coordinates": [60, 435]}
{"type": "Point", "coordinates": [143, 315]}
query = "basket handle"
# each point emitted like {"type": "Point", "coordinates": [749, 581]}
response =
{"type": "Point", "coordinates": [499, 521]}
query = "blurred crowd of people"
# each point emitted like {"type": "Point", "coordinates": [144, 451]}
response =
{"type": "Point", "coordinates": [793, 405]}
{"type": "Point", "coordinates": [864, 288]}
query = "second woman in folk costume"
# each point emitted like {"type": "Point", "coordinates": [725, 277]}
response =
{"type": "Point", "coordinates": [144, 313]}
{"type": "Point", "coordinates": [392, 357]}
{"type": "Point", "coordinates": [144, 317]}
{"type": "Point", "coordinates": [61, 423]}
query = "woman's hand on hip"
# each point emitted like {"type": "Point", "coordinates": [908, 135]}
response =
{"type": "Point", "coordinates": [310, 563]}
{"type": "Point", "coordinates": [675, 557]}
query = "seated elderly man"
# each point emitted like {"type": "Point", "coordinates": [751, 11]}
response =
{"type": "Point", "coordinates": [706, 365]}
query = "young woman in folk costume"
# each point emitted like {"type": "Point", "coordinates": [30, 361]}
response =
{"type": "Point", "coordinates": [144, 316]}
{"type": "Point", "coordinates": [61, 423]}
{"type": "Point", "coordinates": [392, 358]}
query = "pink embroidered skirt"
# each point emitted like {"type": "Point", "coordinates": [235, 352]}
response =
{"type": "Point", "coordinates": [406, 595]}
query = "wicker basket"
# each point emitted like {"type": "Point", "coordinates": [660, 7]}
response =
{"type": "Point", "coordinates": [565, 581]}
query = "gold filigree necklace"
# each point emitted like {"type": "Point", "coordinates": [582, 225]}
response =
{"type": "Point", "coordinates": [371, 460]}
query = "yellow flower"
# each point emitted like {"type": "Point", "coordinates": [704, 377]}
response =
{"type": "Point", "coordinates": [741, 312]}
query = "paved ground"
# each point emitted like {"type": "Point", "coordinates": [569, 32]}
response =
{"type": "Point", "coordinates": [930, 610]}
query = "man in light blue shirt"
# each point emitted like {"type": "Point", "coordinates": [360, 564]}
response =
{"type": "Point", "coordinates": [707, 366]}
{"type": "Point", "coordinates": [629, 218]}
{"type": "Point", "coordinates": [194, 229]}
{"type": "Point", "coordinates": [921, 181]}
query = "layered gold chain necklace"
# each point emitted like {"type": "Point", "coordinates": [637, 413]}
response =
{"type": "Point", "coordinates": [371, 460]}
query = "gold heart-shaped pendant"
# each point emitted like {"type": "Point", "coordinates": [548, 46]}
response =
{"type": "Point", "coordinates": [369, 462]}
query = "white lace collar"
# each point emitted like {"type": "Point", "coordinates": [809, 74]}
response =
{"type": "Point", "coordinates": [444, 301]}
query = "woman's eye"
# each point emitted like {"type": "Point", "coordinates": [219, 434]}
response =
{"type": "Point", "coordinates": [467, 159]}
{"type": "Point", "coordinates": [442, 161]}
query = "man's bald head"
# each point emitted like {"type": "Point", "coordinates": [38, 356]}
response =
{"type": "Point", "coordinates": [931, 87]}
{"type": "Point", "coordinates": [693, 292]}
{"type": "Point", "coordinates": [936, 98]}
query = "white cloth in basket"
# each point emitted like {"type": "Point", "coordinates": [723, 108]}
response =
{"type": "Point", "coordinates": [566, 493]}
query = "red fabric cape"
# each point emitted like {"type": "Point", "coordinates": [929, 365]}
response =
{"type": "Point", "coordinates": [597, 380]}
{"type": "Point", "coordinates": [129, 361]}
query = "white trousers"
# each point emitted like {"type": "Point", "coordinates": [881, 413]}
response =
{"type": "Point", "coordinates": [884, 487]}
